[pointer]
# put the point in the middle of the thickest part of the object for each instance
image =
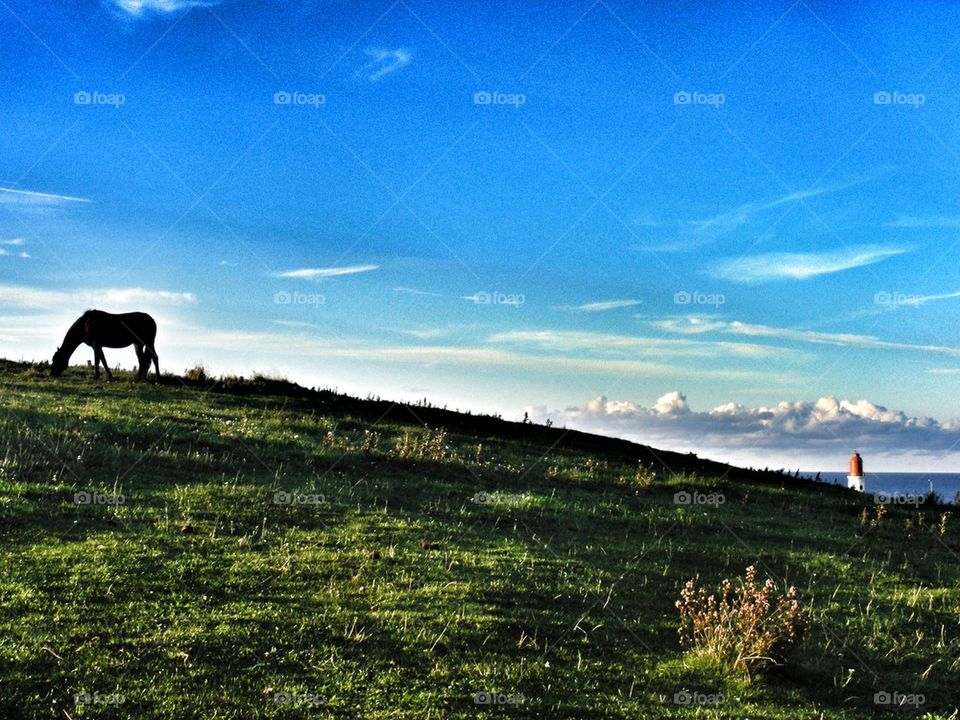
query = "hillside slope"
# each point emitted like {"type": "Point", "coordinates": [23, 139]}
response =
{"type": "Point", "coordinates": [254, 549]}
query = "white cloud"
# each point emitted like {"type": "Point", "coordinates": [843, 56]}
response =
{"type": "Point", "coordinates": [629, 345]}
{"type": "Point", "coordinates": [922, 299]}
{"type": "Point", "coordinates": [415, 291]}
{"type": "Point", "coordinates": [12, 196]}
{"type": "Point", "coordinates": [18, 296]}
{"type": "Point", "coordinates": [800, 266]}
{"type": "Point", "coordinates": [428, 334]}
{"type": "Point", "coordinates": [15, 242]}
{"type": "Point", "coordinates": [298, 324]}
{"type": "Point", "coordinates": [139, 7]}
{"type": "Point", "coordinates": [317, 273]}
{"type": "Point", "coordinates": [695, 325]}
{"type": "Point", "coordinates": [600, 306]}
{"type": "Point", "coordinates": [948, 222]}
{"type": "Point", "coordinates": [303, 344]}
{"type": "Point", "coordinates": [820, 434]}
{"type": "Point", "coordinates": [701, 231]}
{"type": "Point", "coordinates": [385, 61]}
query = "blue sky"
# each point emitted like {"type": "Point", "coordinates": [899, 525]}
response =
{"type": "Point", "coordinates": [684, 225]}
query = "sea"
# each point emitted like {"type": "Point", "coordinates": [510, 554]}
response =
{"type": "Point", "coordinates": [946, 485]}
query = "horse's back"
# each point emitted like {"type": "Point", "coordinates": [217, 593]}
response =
{"type": "Point", "coordinates": [120, 329]}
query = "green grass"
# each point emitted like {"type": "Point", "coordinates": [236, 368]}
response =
{"type": "Point", "coordinates": [400, 593]}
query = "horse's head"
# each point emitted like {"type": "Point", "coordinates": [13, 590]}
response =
{"type": "Point", "coordinates": [59, 363]}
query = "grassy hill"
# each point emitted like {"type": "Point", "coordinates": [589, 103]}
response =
{"type": "Point", "coordinates": [255, 549]}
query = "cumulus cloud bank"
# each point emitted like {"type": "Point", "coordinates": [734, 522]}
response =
{"type": "Point", "coordinates": [817, 434]}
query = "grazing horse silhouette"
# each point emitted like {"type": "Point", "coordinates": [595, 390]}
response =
{"type": "Point", "coordinates": [99, 329]}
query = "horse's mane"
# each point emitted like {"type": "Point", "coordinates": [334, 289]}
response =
{"type": "Point", "coordinates": [78, 325]}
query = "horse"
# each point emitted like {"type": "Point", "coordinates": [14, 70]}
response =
{"type": "Point", "coordinates": [100, 329]}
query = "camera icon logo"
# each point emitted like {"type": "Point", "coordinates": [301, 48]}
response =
{"type": "Point", "coordinates": [682, 98]}
{"type": "Point", "coordinates": [82, 98]}
{"type": "Point", "coordinates": [282, 298]}
{"type": "Point", "coordinates": [682, 298]}
{"type": "Point", "coordinates": [282, 97]}
{"type": "Point", "coordinates": [482, 97]}
{"type": "Point", "coordinates": [682, 498]}
{"type": "Point", "coordinates": [882, 98]}
{"type": "Point", "coordinates": [282, 498]}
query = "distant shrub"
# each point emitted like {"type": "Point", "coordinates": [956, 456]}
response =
{"type": "Point", "coordinates": [430, 445]}
{"type": "Point", "coordinates": [196, 374]}
{"type": "Point", "coordinates": [643, 477]}
{"type": "Point", "coordinates": [909, 530]}
{"type": "Point", "coordinates": [869, 523]}
{"type": "Point", "coordinates": [371, 441]}
{"type": "Point", "coordinates": [743, 627]}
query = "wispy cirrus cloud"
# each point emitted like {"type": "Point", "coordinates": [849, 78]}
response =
{"type": "Point", "coordinates": [425, 334]}
{"type": "Point", "coordinates": [320, 273]}
{"type": "Point", "coordinates": [15, 196]}
{"type": "Point", "coordinates": [766, 267]}
{"type": "Point", "coordinates": [385, 61]}
{"type": "Point", "coordinates": [141, 7]}
{"type": "Point", "coordinates": [697, 232]}
{"type": "Point", "coordinates": [33, 298]}
{"type": "Point", "coordinates": [695, 325]}
{"type": "Point", "coordinates": [416, 291]}
{"type": "Point", "coordinates": [951, 222]}
{"type": "Point", "coordinates": [601, 306]}
{"type": "Point", "coordinates": [613, 344]}
{"type": "Point", "coordinates": [14, 243]}
{"type": "Point", "coordinates": [303, 344]}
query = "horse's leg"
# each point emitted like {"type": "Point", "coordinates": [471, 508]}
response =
{"type": "Point", "coordinates": [103, 359]}
{"type": "Point", "coordinates": [139, 350]}
{"type": "Point", "coordinates": [105, 366]}
{"type": "Point", "coordinates": [156, 361]}
{"type": "Point", "coordinates": [96, 364]}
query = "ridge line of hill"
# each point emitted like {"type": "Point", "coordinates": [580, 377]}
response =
{"type": "Point", "coordinates": [458, 421]}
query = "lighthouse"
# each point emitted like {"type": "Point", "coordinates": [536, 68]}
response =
{"type": "Point", "coordinates": [855, 478]}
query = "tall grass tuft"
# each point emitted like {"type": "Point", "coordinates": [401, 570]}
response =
{"type": "Point", "coordinates": [430, 445]}
{"type": "Point", "coordinates": [746, 626]}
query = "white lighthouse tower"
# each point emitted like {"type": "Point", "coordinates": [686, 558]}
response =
{"type": "Point", "coordinates": [855, 480]}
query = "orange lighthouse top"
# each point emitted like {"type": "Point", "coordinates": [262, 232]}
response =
{"type": "Point", "coordinates": [856, 465]}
